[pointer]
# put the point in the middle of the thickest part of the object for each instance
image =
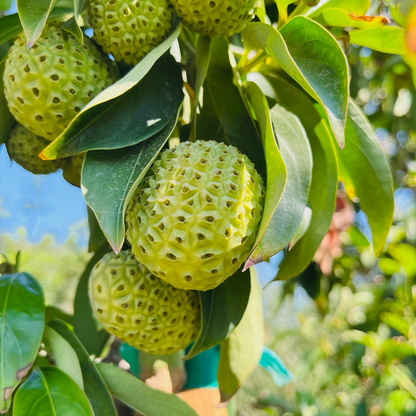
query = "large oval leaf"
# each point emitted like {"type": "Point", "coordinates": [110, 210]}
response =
{"type": "Point", "coordinates": [241, 352]}
{"type": "Point", "coordinates": [141, 397]}
{"type": "Point", "coordinates": [86, 326]}
{"type": "Point", "coordinates": [364, 158]}
{"type": "Point", "coordinates": [95, 388]}
{"type": "Point", "coordinates": [224, 116]}
{"type": "Point", "coordinates": [295, 149]}
{"type": "Point", "coordinates": [275, 165]}
{"type": "Point", "coordinates": [64, 355]}
{"type": "Point", "coordinates": [122, 170]}
{"type": "Point", "coordinates": [33, 15]}
{"type": "Point", "coordinates": [72, 25]}
{"type": "Point", "coordinates": [324, 184]}
{"type": "Point", "coordinates": [49, 391]}
{"type": "Point", "coordinates": [22, 320]}
{"type": "Point", "coordinates": [313, 58]}
{"type": "Point", "coordinates": [222, 310]}
{"type": "Point", "coordinates": [10, 26]}
{"type": "Point", "coordinates": [128, 119]}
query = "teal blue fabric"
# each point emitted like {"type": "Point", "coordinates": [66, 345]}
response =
{"type": "Point", "coordinates": [202, 369]}
{"type": "Point", "coordinates": [271, 362]}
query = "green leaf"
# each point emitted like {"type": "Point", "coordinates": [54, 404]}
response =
{"type": "Point", "coordinates": [122, 170]}
{"type": "Point", "coordinates": [324, 184]}
{"type": "Point", "coordinates": [341, 18]}
{"type": "Point", "coordinates": [296, 152]}
{"type": "Point", "coordinates": [72, 25]}
{"type": "Point", "coordinates": [140, 397]}
{"type": "Point", "coordinates": [363, 158]}
{"type": "Point", "coordinates": [22, 320]}
{"type": "Point", "coordinates": [7, 121]}
{"type": "Point", "coordinates": [241, 352]}
{"type": "Point", "coordinates": [33, 15]}
{"type": "Point", "coordinates": [10, 26]}
{"type": "Point", "coordinates": [127, 120]}
{"type": "Point", "coordinates": [303, 227]}
{"type": "Point", "coordinates": [86, 327]}
{"type": "Point", "coordinates": [222, 310]}
{"type": "Point", "coordinates": [52, 312]}
{"type": "Point", "coordinates": [64, 355]}
{"type": "Point", "coordinates": [95, 388]}
{"type": "Point", "coordinates": [97, 238]}
{"type": "Point", "coordinates": [313, 58]}
{"type": "Point", "coordinates": [396, 322]}
{"type": "Point", "coordinates": [5, 4]}
{"type": "Point", "coordinates": [405, 254]}
{"type": "Point", "coordinates": [224, 116]}
{"type": "Point", "coordinates": [353, 6]}
{"type": "Point", "coordinates": [49, 391]}
{"type": "Point", "coordinates": [275, 165]}
{"type": "Point", "coordinates": [387, 39]}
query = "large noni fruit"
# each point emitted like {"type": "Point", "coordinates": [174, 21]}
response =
{"type": "Point", "coordinates": [194, 218]}
{"type": "Point", "coordinates": [215, 17]}
{"type": "Point", "coordinates": [24, 148]}
{"type": "Point", "coordinates": [140, 308]}
{"type": "Point", "coordinates": [129, 29]}
{"type": "Point", "coordinates": [48, 85]}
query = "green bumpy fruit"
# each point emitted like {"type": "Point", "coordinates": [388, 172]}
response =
{"type": "Point", "coordinates": [24, 148]}
{"type": "Point", "coordinates": [215, 17]}
{"type": "Point", "coordinates": [129, 29]}
{"type": "Point", "coordinates": [141, 309]}
{"type": "Point", "coordinates": [71, 169]}
{"type": "Point", "coordinates": [194, 218]}
{"type": "Point", "coordinates": [48, 85]}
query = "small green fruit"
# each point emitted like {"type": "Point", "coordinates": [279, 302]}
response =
{"type": "Point", "coordinates": [129, 29]}
{"type": "Point", "coordinates": [71, 169]}
{"type": "Point", "coordinates": [24, 148]}
{"type": "Point", "coordinates": [194, 218]}
{"type": "Point", "coordinates": [48, 85]}
{"type": "Point", "coordinates": [215, 17]}
{"type": "Point", "coordinates": [141, 309]}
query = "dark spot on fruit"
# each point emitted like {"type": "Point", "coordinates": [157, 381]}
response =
{"type": "Point", "coordinates": [125, 305]}
{"type": "Point", "coordinates": [20, 100]}
{"type": "Point", "coordinates": [120, 288]}
{"type": "Point", "coordinates": [26, 69]}
{"type": "Point", "coordinates": [143, 249]}
{"type": "Point", "coordinates": [99, 288]}
{"type": "Point", "coordinates": [60, 47]}
{"type": "Point", "coordinates": [157, 186]}
{"type": "Point", "coordinates": [171, 256]}
{"type": "Point", "coordinates": [150, 308]}
{"type": "Point", "coordinates": [178, 240]}
{"type": "Point", "coordinates": [141, 287]}
{"type": "Point", "coordinates": [235, 260]}
{"type": "Point", "coordinates": [166, 202]}
{"type": "Point", "coordinates": [209, 218]}
{"type": "Point", "coordinates": [54, 77]}
{"type": "Point", "coordinates": [191, 202]}
{"type": "Point", "coordinates": [140, 304]}
{"type": "Point", "coordinates": [72, 91]}
{"type": "Point", "coordinates": [138, 321]}
{"type": "Point", "coordinates": [207, 256]}
{"type": "Point", "coordinates": [132, 272]}
{"type": "Point", "coordinates": [56, 100]}
{"type": "Point", "coordinates": [165, 313]}
{"type": "Point", "coordinates": [214, 271]}
{"type": "Point", "coordinates": [150, 238]}
{"type": "Point", "coordinates": [200, 236]}
{"type": "Point", "coordinates": [227, 232]}
{"type": "Point", "coordinates": [39, 118]}
{"type": "Point", "coordinates": [181, 335]}
{"type": "Point", "coordinates": [99, 310]}
{"type": "Point", "coordinates": [162, 226]}
{"type": "Point", "coordinates": [119, 319]}
{"type": "Point", "coordinates": [197, 176]}
{"type": "Point", "coordinates": [152, 213]}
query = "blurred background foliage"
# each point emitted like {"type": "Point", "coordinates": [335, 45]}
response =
{"type": "Point", "coordinates": [346, 327]}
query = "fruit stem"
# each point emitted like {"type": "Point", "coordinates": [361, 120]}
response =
{"type": "Point", "coordinates": [258, 59]}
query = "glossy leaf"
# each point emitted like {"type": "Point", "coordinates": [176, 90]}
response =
{"type": "Point", "coordinates": [241, 352]}
{"type": "Point", "coordinates": [10, 26]}
{"type": "Point", "coordinates": [353, 6]}
{"type": "Point", "coordinates": [86, 326]}
{"type": "Point", "coordinates": [72, 25]}
{"type": "Point", "coordinates": [324, 184]}
{"type": "Point", "coordinates": [95, 388]}
{"type": "Point", "coordinates": [33, 15]}
{"type": "Point", "coordinates": [22, 320]}
{"type": "Point", "coordinates": [222, 310]}
{"type": "Point", "coordinates": [122, 170]}
{"type": "Point", "coordinates": [296, 152]}
{"type": "Point", "coordinates": [140, 397]}
{"type": "Point", "coordinates": [64, 355]}
{"type": "Point", "coordinates": [5, 4]}
{"type": "Point", "coordinates": [387, 39]}
{"type": "Point", "coordinates": [224, 116]}
{"type": "Point", "coordinates": [276, 168]}
{"type": "Point", "coordinates": [303, 227]}
{"type": "Point", "coordinates": [7, 121]}
{"type": "Point", "coordinates": [313, 58]}
{"type": "Point", "coordinates": [127, 120]}
{"type": "Point", "coordinates": [341, 18]}
{"type": "Point", "coordinates": [364, 158]}
{"type": "Point", "coordinates": [49, 391]}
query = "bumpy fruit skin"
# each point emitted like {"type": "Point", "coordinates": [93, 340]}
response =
{"type": "Point", "coordinates": [194, 218]}
{"type": "Point", "coordinates": [141, 309]}
{"type": "Point", "coordinates": [215, 17]}
{"type": "Point", "coordinates": [48, 85]}
{"type": "Point", "coordinates": [129, 29]}
{"type": "Point", "coordinates": [71, 169]}
{"type": "Point", "coordinates": [24, 148]}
